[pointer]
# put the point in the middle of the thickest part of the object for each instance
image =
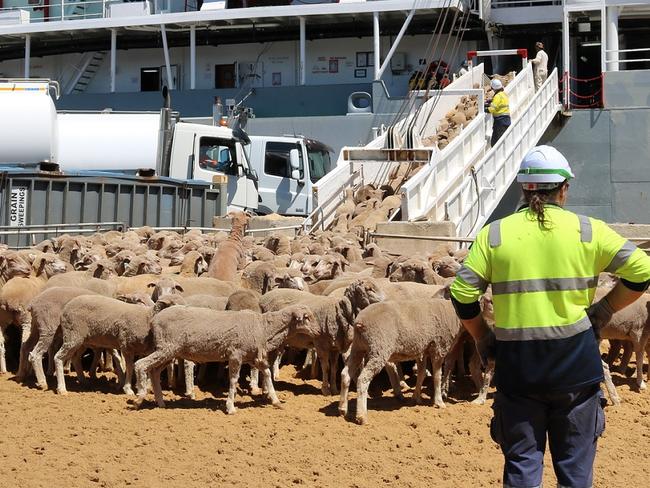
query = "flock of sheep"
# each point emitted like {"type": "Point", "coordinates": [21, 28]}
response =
{"type": "Point", "coordinates": [145, 301]}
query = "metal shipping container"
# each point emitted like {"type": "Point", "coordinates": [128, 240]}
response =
{"type": "Point", "coordinates": [30, 197]}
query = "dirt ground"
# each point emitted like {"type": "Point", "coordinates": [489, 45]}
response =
{"type": "Point", "coordinates": [92, 438]}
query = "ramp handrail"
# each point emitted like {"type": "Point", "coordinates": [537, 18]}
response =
{"type": "Point", "coordinates": [426, 193]}
{"type": "Point", "coordinates": [476, 198]}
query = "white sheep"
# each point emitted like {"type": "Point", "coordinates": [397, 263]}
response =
{"type": "Point", "coordinates": [104, 323]}
{"type": "Point", "coordinates": [203, 335]}
{"type": "Point", "coordinates": [390, 332]}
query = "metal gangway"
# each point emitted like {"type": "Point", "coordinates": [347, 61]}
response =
{"type": "Point", "coordinates": [463, 182]}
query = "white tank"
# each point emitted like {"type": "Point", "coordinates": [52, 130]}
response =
{"type": "Point", "coordinates": [108, 141]}
{"type": "Point", "coordinates": [28, 129]}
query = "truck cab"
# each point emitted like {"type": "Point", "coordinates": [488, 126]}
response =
{"type": "Point", "coordinates": [287, 168]}
{"type": "Point", "coordinates": [210, 153]}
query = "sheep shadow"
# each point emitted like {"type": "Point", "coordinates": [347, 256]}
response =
{"type": "Point", "coordinates": [212, 403]}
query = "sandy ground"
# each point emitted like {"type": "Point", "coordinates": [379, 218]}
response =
{"type": "Point", "coordinates": [92, 438]}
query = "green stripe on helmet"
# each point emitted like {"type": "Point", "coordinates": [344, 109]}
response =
{"type": "Point", "coordinates": [540, 171]}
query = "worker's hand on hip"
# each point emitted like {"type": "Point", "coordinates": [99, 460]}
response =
{"type": "Point", "coordinates": [600, 313]}
{"type": "Point", "coordinates": [486, 347]}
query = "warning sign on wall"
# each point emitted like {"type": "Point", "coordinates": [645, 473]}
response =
{"type": "Point", "coordinates": [18, 207]}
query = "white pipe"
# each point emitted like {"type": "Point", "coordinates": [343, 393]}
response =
{"type": "Point", "coordinates": [192, 57]}
{"type": "Point", "coordinates": [113, 58]}
{"type": "Point", "coordinates": [168, 66]}
{"type": "Point", "coordinates": [396, 43]}
{"type": "Point", "coordinates": [603, 37]}
{"type": "Point", "coordinates": [375, 29]}
{"type": "Point", "coordinates": [566, 52]}
{"type": "Point", "coordinates": [612, 38]}
{"type": "Point", "coordinates": [28, 54]}
{"type": "Point", "coordinates": [303, 60]}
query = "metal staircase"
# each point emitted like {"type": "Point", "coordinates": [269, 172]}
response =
{"type": "Point", "coordinates": [87, 70]}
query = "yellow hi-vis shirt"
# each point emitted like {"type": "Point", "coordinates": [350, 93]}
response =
{"type": "Point", "coordinates": [499, 105]}
{"type": "Point", "coordinates": [542, 282]}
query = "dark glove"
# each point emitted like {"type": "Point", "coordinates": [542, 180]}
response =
{"type": "Point", "coordinates": [486, 347]}
{"type": "Point", "coordinates": [600, 313]}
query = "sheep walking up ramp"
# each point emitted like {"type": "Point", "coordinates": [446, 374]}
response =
{"type": "Point", "coordinates": [409, 143]}
{"type": "Point", "coordinates": [478, 191]}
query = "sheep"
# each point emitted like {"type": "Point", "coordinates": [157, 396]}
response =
{"type": "Point", "coordinates": [202, 335]}
{"type": "Point", "coordinates": [330, 335]}
{"type": "Point", "coordinates": [416, 270]}
{"type": "Point", "coordinates": [230, 254]}
{"type": "Point", "coordinates": [259, 276]}
{"type": "Point", "coordinates": [45, 310]}
{"type": "Point", "coordinates": [389, 332]}
{"type": "Point", "coordinates": [291, 278]}
{"type": "Point", "coordinates": [244, 300]}
{"type": "Point", "coordinates": [278, 244]}
{"type": "Point", "coordinates": [16, 294]}
{"type": "Point", "coordinates": [631, 324]}
{"type": "Point", "coordinates": [107, 323]}
{"type": "Point", "coordinates": [142, 265]}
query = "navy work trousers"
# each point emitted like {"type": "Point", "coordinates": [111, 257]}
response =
{"type": "Point", "coordinates": [573, 422]}
{"type": "Point", "coordinates": [499, 126]}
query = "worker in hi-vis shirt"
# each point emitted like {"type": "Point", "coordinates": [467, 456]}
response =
{"type": "Point", "coordinates": [542, 264]}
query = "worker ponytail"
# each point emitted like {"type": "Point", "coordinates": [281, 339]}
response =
{"type": "Point", "coordinates": [537, 199]}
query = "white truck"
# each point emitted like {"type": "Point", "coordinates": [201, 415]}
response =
{"type": "Point", "coordinates": [267, 174]}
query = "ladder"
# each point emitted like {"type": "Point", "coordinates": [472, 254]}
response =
{"type": "Point", "coordinates": [87, 71]}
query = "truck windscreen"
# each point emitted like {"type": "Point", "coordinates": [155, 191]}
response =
{"type": "Point", "coordinates": [320, 164]}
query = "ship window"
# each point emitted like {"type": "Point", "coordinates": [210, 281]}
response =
{"type": "Point", "coordinates": [224, 75]}
{"type": "Point", "coordinates": [150, 79]}
{"type": "Point", "coordinates": [277, 160]}
{"type": "Point", "coordinates": [218, 155]}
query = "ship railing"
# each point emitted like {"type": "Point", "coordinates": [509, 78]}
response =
{"type": "Point", "coordinates": [476, 198]}
{"type": "Point", "coordinates": [524, 3]}
{"type": "Point", "coordinates": [426, 194]}
{"type": "Point", "coordinates": [62, 10]}
{"type": "Point", "coordinates": [643, 53]}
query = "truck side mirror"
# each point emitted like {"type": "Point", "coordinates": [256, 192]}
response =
{"type": "Point", "coordinates": [295, 175]}
{"type": "Point", "coordinates": [294, 160]}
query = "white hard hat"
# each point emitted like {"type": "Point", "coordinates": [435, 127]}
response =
{"type": "Point", "coordinates": [544, 167]}
{"type": "Point", "coordinates": [496, 84]}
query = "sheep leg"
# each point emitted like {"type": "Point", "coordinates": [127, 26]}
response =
{"type": "Point", "coordinates": [460, 361]}
{"type": "Point", "coordinates": [334, 367]}
{"type": "Point", "coordinates": [313, 373]}
{"type": "Point", "coordinates": [128, 373]}
{"type": "Point", "coordinates": [234, 366]}
{"type": "Point", "coordinates": [436, 366]}
{"type": "Point", "coordinates": [639, 353]}
{"type": "Point", "coordinates": [486, 377]}
{"type": "Point", "coordinates": [78, 367]}
{"type": "Point", "coordinates": [268, 385]}
{"type": "Point", "coordinates": [25, 329]}
{"type": "Point", "coordinates": [171, 375]}
{"type": "Point", "coordinates": [392, 370]}
{"type": "Point", "coordinates": [3, 361]}
{"type": "Point", "coordinates": [373, 366]}
{"type": "Point", "coordinates": [36, 358]}
{"type": "Point", "coordinates": [253, 381]}
{"type": "Point", "coordinates": [63, 355]}
{"type": "Point", "coordinates": [25, 366]}
{"type": "Point", "coordinates": [614, 351]}
{"type": "Point", "coordinates": [422, 372]}
{"type": "Point", "coordinates": [97, 360]}
{"type": "Point", "coordinates": [350, 370]}
{"type": "Point", "coordinates": [188, 368]}
{"type": "Point", "coordinates": [609, 384]}
{"type": "Point", "coordinates": [400, 376]}
{"type": "Point", "coordinates": [324, 359]}
{"type": "Point", "coordinates": [108, 366]}
{"type": "Point", "coordinates": [276, 366]}
{"type": "Point", "coordinates": [153, 365]}
{"type": "Point", "coordinates": [625, 359]}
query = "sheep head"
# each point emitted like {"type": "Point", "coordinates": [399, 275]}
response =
{"type": "Point", "coordinates": [164, 286]}
{"type": "Point", "coordinates": [329, 267]}
{"type": "Point", "coordinates": [363, 293]}
{"type": "Point", "coordinates": [194, 261]}
{"type": "Point", "coordinates": [11, 264]}
{"type": "Point", "coordinates": [415, 270]}
{"type": "Point", "coordinates": [103, 269]}
{"type": "Point", "coordinates": [290, 279]}
{"type": "Point", "coordinates": [48, 265]}
{"type": "Point", "coordinates": [446, 266]}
